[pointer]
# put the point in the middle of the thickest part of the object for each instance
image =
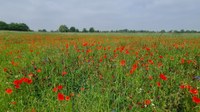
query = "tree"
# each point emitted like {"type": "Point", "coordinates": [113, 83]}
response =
{"type": "Point", "coordinates": [182, 31]}
{"type": "Point", "coordinates": [72, 29]}
{"type": "Point", "coordinates": [18, 27]}
{"type": "Point", "coordinates": [77, 30]}
{"type": "Point", "coordinates": [176, 31]}
{"type": "Point", "coordinates": [162, 31]}
{"type": "Point", "coordinates": [84, 30]}
{"type": "Point", "coordinates": [43, 30]}
{"type": "Point", "coordinates": [3, 25]}
{"type": "Point", "coordinates": [23, 27]}
{"type": "Point", "coordinates": [91, 29]}
{"type": "Point", "coordinates": [63, 28]}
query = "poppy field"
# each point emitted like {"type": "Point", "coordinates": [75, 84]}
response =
{"type": "Point", "coordinates": [57, 72]}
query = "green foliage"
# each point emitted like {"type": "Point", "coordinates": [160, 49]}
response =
{"type": "Point", "coordinates": [84, 30]}
{"type": "Point", "coordinates": [98, 86]}
{"type": "Point", "coordinates": [43, 30]}
{"type": "Point", "coordinates": [91, 29]}
{"type": "Point", "coordinates": [72, 29]}
{"type": "Point", "coordinates": [63, 28]}
{"type": "Point", "coordinates": [3, 25]}
{"type": "Point", "coordinates": [14, 26]}
{"type": "Point", "coordinates": [18, 27]}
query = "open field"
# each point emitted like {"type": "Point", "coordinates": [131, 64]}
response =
{"type": "Point", "coordinates": [47, 72]}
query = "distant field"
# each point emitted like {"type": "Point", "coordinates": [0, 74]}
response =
{"type": "Point", "coordinates": [99, 72]}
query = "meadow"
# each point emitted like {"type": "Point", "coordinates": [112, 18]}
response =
{"type": "Point", "coordinates": [105, 72]}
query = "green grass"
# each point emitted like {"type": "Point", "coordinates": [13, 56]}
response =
{"type": "Point", "coordinates": [99, 86]}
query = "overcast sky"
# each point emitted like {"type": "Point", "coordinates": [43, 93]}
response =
{"type": "Point", "coordinates": [103, 14]}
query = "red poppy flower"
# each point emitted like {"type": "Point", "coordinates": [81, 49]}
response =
{"type": "Point", "coordinates": [24, 79]}
{"type": "Point", "coordinates": [195, 99]}
{"type": "Point", "coordinates": [151, 61]}
{"type": "Point", "coordinates": [100, 60]}
{"type": "Point", "coordinates": [29, 81]}
{"type": "Point", "coordinates": [17, 82]}
{"type": "Point", "coordinates": [67, 98]}
{"type": "Point", "coordinates": [194, 91]}
{"type": "Point", "coordinates": [182, 61]}
{"type": "Point", "coordinates": [67, 46]}
{"type": "Point", "coordinates": [55, 89]}
{"type": "Point", "coordinates": [64, 73]}
{"type": "Point", "coordinates": [39, 70]}
{"type": "Point", "coordinates": [150, 78]}
{"type": "Point", "coordinates": [122, 62]}
{"type": "Point", "coordinates": [134, 67]}
{"type": "Point", "coordinates": [147, 49]}
{"type": "Point", "coordinates": [163, 77]}
{"type": "Point", "coordinates": [182, 86]}
{"type": "Point", "coordinates": [158, 84]}
{"type": "Point", "coordinates": [17, 86]}
{"type": "Point", "coordinates": [188, 87]}
{"type": "Point", "coordinates": [61, 97]}
{"type": "Point", "coordinates": [85, 44]}
{"type": "Point", "coordinates": [5, 69]}
{"type": "Point", "coordinates": [9, 91]}
{"type": "Point", "coordinates": [147, 102]}
{"type": "Point", "coordinates": [13, 103]}
{"type": "Point", "coordinates": [60, 87]}
{"type": "Point", "coordinates": [160, 56]}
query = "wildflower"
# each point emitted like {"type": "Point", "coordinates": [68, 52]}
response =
{"type": "Point", "coordinates": [13, 103]}
{"type": "Point", "coordinates": [67, 46]}
{"type": "Point", "coordinates": [160, 56]}
{"type": "Point", "coordinates": [194, 91]}
{"type": "Point", "coordinates": [151, 61]}
{"type": "Point", "coordinates": [163, 77]}
{"type": "Point", "coordinates": [182, 86]}
{"type": "Point", "coordinates": [38, 70]}
{"type": "Point", "coordinates": [182, 61]}
{"type": "Point", "coordinates": [5, 69]}
{"type": "Point", "coordinates": [61, 97]}
{"type": "Point", "coordinates": [60, 87]}
{"type": "Point", "coordinates": [64, 73]}
{"type": "Point", "coordinates": [122, 62]}
{"type": "Point", "coordinates": [17, 86]}
{"type": "Point", "coordinates": [9, 91]}
{"type": "Point", "coordinates": [195, 99]}
{"type": "Point", "coordinates": [147, 102]}
{"type": "Point", "coordinates": [150, 78]}
{"type": "Point", "coordinates": [17, 82]}
{"type": "Point", "coordinates": [67, 98]}
{"type": "Point", "coordinates": [100, 60]}
{"type": "Point", "coordinates": [26, 80]}
{"type": "Point", "coordinates": [147, 49]}
{"type": "Point", "coordinates": [29, 81]}
{"type": "Point", "coordinates": [55, 89]}
{"type": "Point", "coordinates": [188, 87]}
{"type": "Point", "coordinates": [85, 44]}
{"type": "Point", "coordinates": [158, 84]}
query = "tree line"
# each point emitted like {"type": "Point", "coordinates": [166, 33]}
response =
{"type": "Point", "coordinates": [64, 28]}
{"type": "Point", "coordinates": [14, 26]}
